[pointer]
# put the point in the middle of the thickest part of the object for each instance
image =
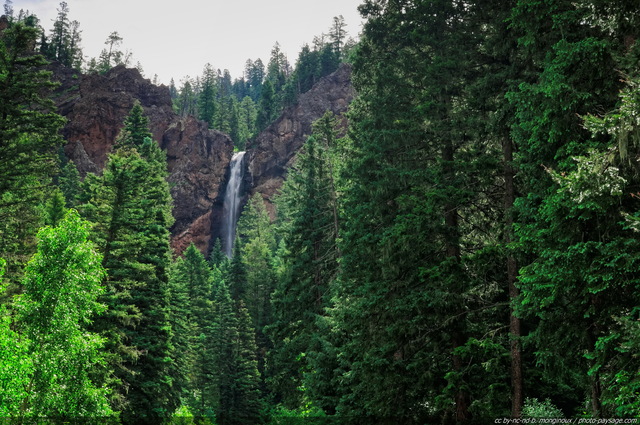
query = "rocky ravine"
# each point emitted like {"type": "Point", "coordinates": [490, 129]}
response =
{"type": "Point", "coordinates": [198, 158]}
{"type": "Point", "coordinates": [276, 147]}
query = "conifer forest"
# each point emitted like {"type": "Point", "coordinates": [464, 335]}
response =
{"type": "Point", "coordinates": [462, 246]}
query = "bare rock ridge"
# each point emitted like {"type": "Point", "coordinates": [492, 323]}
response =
{"type": "Point", "coordinates": [276, 147]}
{"type": "Point", "coordinates": [96, 106]}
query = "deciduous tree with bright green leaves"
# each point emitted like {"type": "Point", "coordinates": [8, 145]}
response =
{"type": "Point", "coordinates": [16, 368]}
{"type": "Point", "coordinates": [62, 286]}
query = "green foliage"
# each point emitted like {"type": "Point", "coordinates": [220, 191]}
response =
{"type": "Point", "coordinates": [110, 56]}
{"type": "Point", "coordinates": [16, 368]}
{"type": "Point", "coordinates": [192, 306]}
{"type": "Point", "coordinates": [136, 129]}
{"type": "Point", "coordinates": [186, 102]}
{"type": "Point", "coordinates": [237, 275]}
{"type": "Point", "coordinates": [130, 208]}
{"type": "Point", "coordinates": [535, 409]}
{"type": "Point", "coordinates": [182, 328]}
{"type": "Point", "coordinates": [267, 108]}
{"type": "Point", "coordinates": [307, 210]}
{"type": "Point", "coordinates": [29, 136]}
{"type": "Point", "coordinates": [207, 96]}
{"type": "Point", "coordinates": [217, 257]}
{"type": "Point", "coordinates": [418, 237]}
{"type": "Point", "coordinates": [245, 402]}
{"type": "Point", "coordinates": [387, 289]}
{"type": "Point", "coordinates": [64, 42]}
{"type": "Point", "coordinates": [69, 183]}
{"type": "Point", "coordinates": [62, 284]}
{"type": "Point", "coordinates": [54, 209]}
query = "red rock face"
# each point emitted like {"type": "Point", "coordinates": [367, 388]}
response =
{"type": "Point", "coordinates": [276, 147]}
{"type": "Point", "coordinates": [96, 106]}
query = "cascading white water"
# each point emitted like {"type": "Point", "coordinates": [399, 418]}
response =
{"type": "Point", "coordinates": [231, 204]}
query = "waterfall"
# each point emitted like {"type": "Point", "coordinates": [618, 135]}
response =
{"type": "Point", "coordinates": [231, 204]}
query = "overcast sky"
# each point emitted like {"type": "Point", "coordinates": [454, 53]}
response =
{"type": "Point", "coordinates": [177, 38]}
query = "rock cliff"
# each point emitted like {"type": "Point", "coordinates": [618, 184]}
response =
{"type": "Point", "coordinates": [198, 158]}
{"type": "Point", "coordinates": [96, 106]}
{"type": "Point", "coordinates": [275, 148]}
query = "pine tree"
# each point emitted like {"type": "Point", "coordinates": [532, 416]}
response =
{"type": "Point", "coordinates": [302, 292]}
{"type": "Point", "coordinates": [207, 104]}
{"type": "Point", "coordinates": [218, 259]}
{"type": "Point", "coordinates": [258, 244]}
{"type": "Point", "coordinates": [245, 403]}
{"type": "Point", "coordinates": [29, 136]}
{"type": "Point", "coordinates": [567, 63]}
{"type": "Point", "coordinates": [412, 240]}
{"type": "Point", "coordinates": [254, 74]}
{"type": "Point", "coordinates": [192, 279]}
{"type": "Point", "coordinates": [136, 129]}
{"type": "Point", "coordinates": [55, 208]}
{"type": "Point", "coordinates": [69, 183]}
{"type": "Point", "coordinates": [237, 275]}
{"type": "Point", "coordinates": [267, 107]}
{"type": "Point", "coordinates": [247, 116]}
{"type": "Point", "coordinates": [224, 333]}
{"type": "Point", "coordinates": [112, 55]}
{"type": "Point", "coordinates": [186, 102]}
{"type": "Point", "coordinates": [130, 206]}
{"type": "Point", "coordinates": [183, 362]}
{"type": "Point", "coordinates": [64, 41]}
{"type": "Point", "coordinates": [338, 35]}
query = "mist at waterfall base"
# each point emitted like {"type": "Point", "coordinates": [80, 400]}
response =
{"type": "Point", "coordinates": [231, 203]}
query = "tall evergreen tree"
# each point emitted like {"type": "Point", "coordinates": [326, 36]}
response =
{"type": "Point", "coordinates": [186, 102]}
{"type": "Point", "coordinates": [29, 137]}
{"type": "Point", "coordinates": [245, 403]}
{"type": "Point", "coordinates": [136, 129]}
{"type": "Point", "coordinates": [182, 355]}
{"type": "Point", "coordinates": [267, 107]}
{"type": "Point", "coordinates": [207, 104]}
{"type": "Point", "coordinates": [192, 282]}
{"type": "Point", "coordinates": [417, 221]}
{"type": "Point", "coordinates": [64, 42]}
{"type": "Point", "coordinates": [303, 289]}
{"type": "Point", "coordinates": [237, 274]}
{"type": "Point", "coordinates": [567, 61]}
{"type": "Point", "coordinates": [254, 74]}
{"type": "Point", "coordinates": [69, 183]}
{"type": "Point", "coordinates": [258, 245]}
{"type": "Point", "coordinates": [338, 35]}
{"type": "Point", "coordinates": [130, 207]}
{"type": "Point", "coordinates": [223, 333]}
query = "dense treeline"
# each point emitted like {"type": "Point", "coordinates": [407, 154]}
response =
{"type": "Point", "coordinates": [467, 251]}
{"type": "Point", "coordinates": [245, 106]}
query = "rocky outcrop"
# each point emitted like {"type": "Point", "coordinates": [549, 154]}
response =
{"type": "Point", "coordinates": [96, 106]}
{"type": "Point", "coordinates": [276, 147]}
{"type": "Point", "coordinates": [198, 163]}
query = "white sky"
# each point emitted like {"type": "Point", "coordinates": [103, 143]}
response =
{"type": "Point", "coordinates": [177, 38]}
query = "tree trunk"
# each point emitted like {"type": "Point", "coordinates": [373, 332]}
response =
{"type": "Point", "coordinates": [514, 292]}
{"type": "Point", "coordinates": [452, 242]}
